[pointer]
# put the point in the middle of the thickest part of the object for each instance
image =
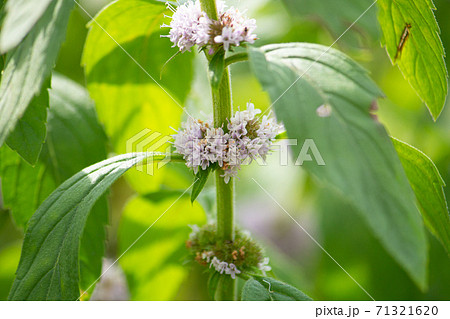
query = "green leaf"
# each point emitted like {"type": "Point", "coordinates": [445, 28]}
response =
{"type": "Point", "coordinates": [213, 282]}
{"type": "Point", "coordinates": [75, 137]}
{"type": "Point", "coordinates": [29, 134]}
{"type": "Point", "coordinates": [422, 58]}
{"type": "Point", "coordinates": [200, 181]}
{"type": "Point", "coordinates": [29, 65]}
{"type": "Point", "coordinates": [254, 291]}
{"type": "Point", "coordinates": [360, 160]}
{"type": "Point", "coordinates": [428, 186]}
{"type": "Point", "coordinates": [269, 289]}
{"type": "Point", "coordinates": [21, 16]}
{"type": "Point", "coordinates": [9, 258]}
{"type": "Point", "coordinates": [337, 16]}
{"type": "Point", "coordinates": [48, 268]}
{"type": "Point", "coordinates": [24, 187]}
{"type": "Point", "coordinates": [154, 264]}
{"type": "Point", "coordinates": [216, 69]}
{"type": "Point", "coordinates": [92, 247]}
{"type": "Point", "coordinates": [75, 140]}
{"type": "Point", "coordinates": [130, 102]}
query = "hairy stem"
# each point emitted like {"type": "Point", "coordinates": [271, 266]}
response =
{"type": "Point", "coordinates": [225, 210]}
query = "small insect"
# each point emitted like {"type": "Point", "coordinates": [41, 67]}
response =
{"type": "Point", "coordinates": [405, 36]}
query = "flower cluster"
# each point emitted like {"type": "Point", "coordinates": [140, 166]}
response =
{"type": "Point", "coordinates": [230, 258]}
{"type": "Point", "coordinates": [191, 26]}
{"type": "Point", "coordinates": [222, 266]}
{"type": "Point", "coordinates": [247, 138]}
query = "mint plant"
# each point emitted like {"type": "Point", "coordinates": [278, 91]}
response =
{"type": "Point", "coordinates": [316, 92]}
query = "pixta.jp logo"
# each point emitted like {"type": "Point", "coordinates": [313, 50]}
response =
{"type": "Point", "coordinates": [150, 141]}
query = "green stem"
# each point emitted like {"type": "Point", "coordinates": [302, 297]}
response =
{"type": "Point", "coordinates": [209, 6]}
{"type": "Point", "coordinates": [238, 57]}
{"type": "Point", "coordinates": [225, 210]}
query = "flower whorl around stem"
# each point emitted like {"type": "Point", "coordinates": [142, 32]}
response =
{"type": "Point", "coordinates": [191, 26]}
{"type": "Point", "coordinates": [229, 258]}
{"type": "Point", "coordinates": [248, 138]}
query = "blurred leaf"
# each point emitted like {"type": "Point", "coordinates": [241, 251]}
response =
{"type": "Point", "coordinates": [162, 195]}
{"type": "Point", "coordinates": [154, 264]}
{"type": "Point", "coordinates": [21, 16]}
{"type": "Point", "coordinates": [347, 237]}
{"type": "Point", "coordinates": [135, 106]}
{"type": "Point", "coordinates": [200, 180]}
{"type": "Point", "coordinates": [9, 258]}
{"type": "Point", "coordinates": [24, 187]}
{"type": "Point", "coordinates": [360, 160]}
{"type": "Point", "coordinates": [339, 15]}
{"type": "Point", "coordinates": [75, 140]}
{"type": "Point", "coordinates": [75, 137]}
{"type": "Point", "coordinates": [48, 268]}
{"type": "Point", "coordinates": [216, 69]}
{"type": "Point", "coordinates": [213, 282]}
{"type": "Point", "coordinates": [269, 289]}
{"type": "Point", "coordinates": [30, 64]}
{"type": "Point", "coordinates": [29, 134]}
{"type": "Point", "coordinates": [428, 186]}
{"type": "Point", "coordinates": [2, 11]}
{"type": "Point", "coordinates": [422, 58]}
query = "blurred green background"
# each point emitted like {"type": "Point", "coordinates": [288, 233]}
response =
{"type": "Point", "coordinates": [294, 257]}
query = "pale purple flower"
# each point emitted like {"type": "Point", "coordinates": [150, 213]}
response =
{"type": "Point", "coordinates": [195, 231]}
{"type": "Point", "coordinates": [207, 255]}
{"type": "Point", "coordinates": [227, 38]}
{"type": "Point", "coordinates": [222, 267]}
{"type": "Point", "coordinates": [215, 262]}
{"type": "Point", "coordinates": [232, 270]}
{"type": "Point", "coordinates": [247, 139]}
{"type": "Point", "coordinates": [264, 266]}
{"type": "Point", "coordinates": [191, 26]}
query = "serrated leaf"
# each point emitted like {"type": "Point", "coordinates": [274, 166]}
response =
{"type": "Point", "coordinates": [421, 58]}
{"type": "Point", "coordinates": [29, 134]}
{"type": "Point", "coordinates": [154, 264]}
{"type": "Point", "coordinates": [199, 183]}
{"type": "Point", "coordinates": [360, 160]}
{"type": "Point", "coordinates": [428, 186]}
{"type": "Point", "coordinates": [269, 289]}
{"type": "Point", "coordinates": [21, 16]}
{"type": "Point", "coordinates": [216, 69]}
{"type": "Point", "coordinates": [49, 266]}
{"type": "Point", "coordinates": [24, 187]}
{"type": "Point", "coordinates": [30, 64]}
